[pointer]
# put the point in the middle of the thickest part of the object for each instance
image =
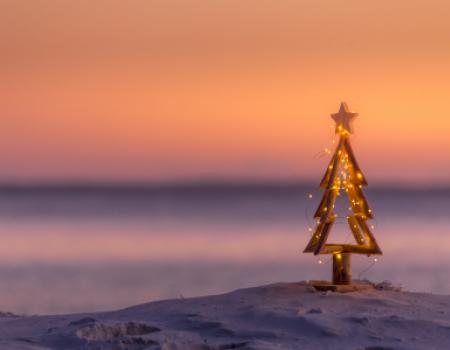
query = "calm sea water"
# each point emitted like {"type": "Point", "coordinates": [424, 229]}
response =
{"type": "Point", "coordinates": [72, 249]}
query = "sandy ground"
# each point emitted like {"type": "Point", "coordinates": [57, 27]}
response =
{"type": "Point", "coordinates": [279, 316]}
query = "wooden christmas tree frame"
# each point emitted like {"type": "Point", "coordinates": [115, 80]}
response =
{"type": "Point", "coordinates": [343, 173]}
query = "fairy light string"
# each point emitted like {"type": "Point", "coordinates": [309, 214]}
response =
{"type": "Point", "coordinates": [342, 175]}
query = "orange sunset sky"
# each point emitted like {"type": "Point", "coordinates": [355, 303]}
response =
{"type": "Point", "coordinates": [143, 90]}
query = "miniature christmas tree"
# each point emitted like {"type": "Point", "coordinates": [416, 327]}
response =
{"type": "Point", "coordinates": [343, 174]}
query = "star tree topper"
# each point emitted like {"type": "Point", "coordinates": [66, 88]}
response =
{"type": "Point", "coordinates": [344, 119]}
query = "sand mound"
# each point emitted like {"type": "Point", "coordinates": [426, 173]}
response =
{"type": "Point", "coordinates": [282, 316]}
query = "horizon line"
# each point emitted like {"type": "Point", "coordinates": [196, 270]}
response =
{"type": "Point", "coordinates": [200, 183]}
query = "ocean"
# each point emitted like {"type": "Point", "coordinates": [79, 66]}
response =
{"type": "Point", "coordinates": [67, 249]}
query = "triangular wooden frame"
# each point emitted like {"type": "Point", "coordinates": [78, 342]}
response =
{"type": "Point", "coordinates": [331, 183]}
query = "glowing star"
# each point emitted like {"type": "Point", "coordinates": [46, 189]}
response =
{"type": "Point", "coordinates": [344, 119]}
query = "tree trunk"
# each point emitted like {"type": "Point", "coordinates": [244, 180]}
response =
{"type": "Point", "coordinates": [342, 268]}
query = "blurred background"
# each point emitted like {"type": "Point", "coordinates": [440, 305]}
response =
{"type": "Point", "coordinates": [160, 149]}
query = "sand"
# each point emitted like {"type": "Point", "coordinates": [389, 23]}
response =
{"type": "Point", "coordinates": [278, 316]}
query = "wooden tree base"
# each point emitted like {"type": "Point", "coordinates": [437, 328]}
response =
{"type": "Point", "coordinates": [342, 269]}
{"type": "Point", "coordinates": [356, 286]}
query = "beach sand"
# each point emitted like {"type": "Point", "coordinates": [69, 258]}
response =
{"type": "Point", "coordinates": [277, 316]}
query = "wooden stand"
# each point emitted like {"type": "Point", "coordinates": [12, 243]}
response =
{"type": "Point", "coordinates": [356, 286]}
{"type": "Point", "coordinates": [342, 269]}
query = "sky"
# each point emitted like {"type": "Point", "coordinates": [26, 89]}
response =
{"type": "Point", "coordinates": [176, 90]}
